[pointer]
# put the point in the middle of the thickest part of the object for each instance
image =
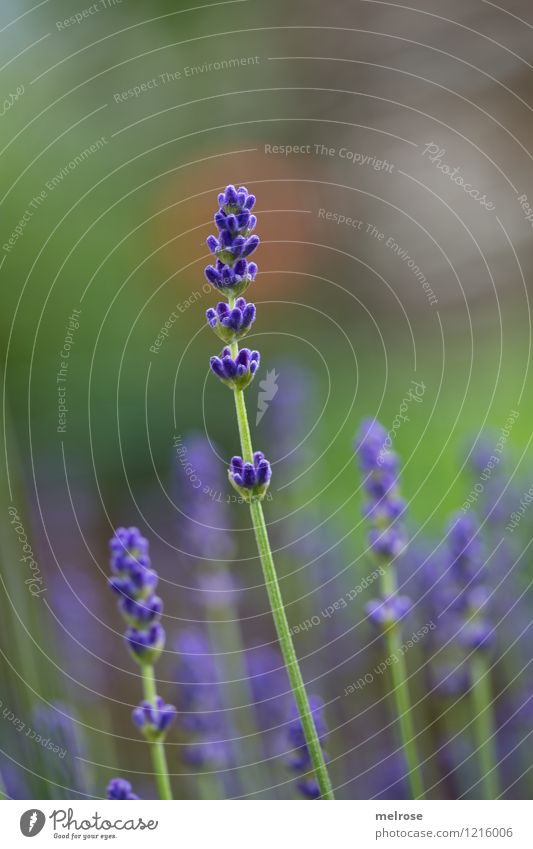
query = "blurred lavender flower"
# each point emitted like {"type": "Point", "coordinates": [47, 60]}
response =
{"type": "Point", "coordinates": [384, 507]}
{"type": "Point", "coordinates": [66, 768]}
{"type": "Point", "coordinates": [153, 721]}
{"type": "Point", "coordinates": [205, 530]}
{"type": "Point", "coordinates": [300, 761]}
{"type": "Point", "coordinates": [134, 581]}
{"type": "Point", "coordinates": [120, 789]}
{"type": "Point", "coordinates": [201, 712]}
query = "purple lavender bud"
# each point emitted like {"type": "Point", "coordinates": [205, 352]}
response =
{"type": "Point", "coordinates": [146, 646]}
{"type": "Point", "coordinates": [211, 316]}
{"type": "Point", "coordinates": [465, 547]}
{"type": "Point", "coordinates": [120, 789]}
{"type": "Point", "coordinates": [237, 373]}
{"type": "Point", "coordinates": [153, 720]}
{"type": "Point", "coordinates": [384, 613]}
{"type": "Point", "coordinates": [251, 480]}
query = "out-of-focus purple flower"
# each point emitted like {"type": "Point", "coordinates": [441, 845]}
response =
{"type": "Point", "coordinates": [120, 789]}
{"type": "Point", "coordinates": [269, 685]}
{"type": "Point", "coordinates": [231, 324]}
{"type": "Point", "coordinates": [465, 548]}
{"type": "Point", "coordinates": [384, 507]}
{"type": "Point", "coordinates": [300, 761]}
{"type": "Point", "coordinates": [153, 720]}
{"type": "Point", "coordinates": [134, 581]}
{"type": "Point", "coordinates": [205, 527]}
{"type": "Point", "coordinates": [236, 373]}
{"type": "Point", "coordinates": [250, 479]}
{"type": "Point", "coordinates": [390, 611]}
{"type": "Point", "coordinates": [65, 769]}
{"type": "Point", "coordinates": [200, 709]}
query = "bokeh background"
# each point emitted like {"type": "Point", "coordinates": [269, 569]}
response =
{"type": "Point", "coordinates": [118, 131]}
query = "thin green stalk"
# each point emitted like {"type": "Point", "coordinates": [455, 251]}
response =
{"type": "Point", "coordinates": [402, 700]}
{"type": "Point", "coordinates": [157, 748]}
{"type": "Point", "coordinates": [278, 611]}
{"type": "Point", "coordinates": [484, 728]}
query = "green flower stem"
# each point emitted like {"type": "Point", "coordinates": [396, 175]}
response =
{"type": "Point", "coordinates": [402, 700]}
{"type": "Point", "coordinates": [484, 725]}
{"type": "Point", "coordinates": [278, 610]}
{"type": "Point", "coordinates": [159, 759]}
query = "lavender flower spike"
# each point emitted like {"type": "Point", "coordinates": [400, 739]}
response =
{"type": "Point", "coordinates": [120, 789]}
{"type": "Point", "coordinates": [250, 474]}
{"type": "Point", "coordinates": [134, 581]}
{"type": "Point", "coordinates": [232, 274]}
{"type": "Point", "coordinates": [236, 373]}
{"type": "Point", "coordinates": [251, 480]}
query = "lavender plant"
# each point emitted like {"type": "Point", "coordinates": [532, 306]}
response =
{"type": "Point", "coordinates": [250, 474]}
{"type": "Point", "coordinates": [469, 604]}
{"type": "Point", "coordinates": [384, 510]}
{"type": "Point", "coordinates": [134, 581]}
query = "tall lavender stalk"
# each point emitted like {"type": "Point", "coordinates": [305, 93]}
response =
{"type": "Point", "coordinates": [250, 474]}
{"type": "Point", "coordinates": [383, 510]}
{"type": "Point", "coordinates": [476, 633]}
{"type": "Point", "coordinates": [134, 581]}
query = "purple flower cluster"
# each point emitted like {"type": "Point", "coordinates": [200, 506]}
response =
{"type": "Point", "coordinates": [250, 479]}
{"type": "Point", "coordinates": [470, 601]}
{"type": "Point", "coordinates": [389, 611]}
{"type": "Point", "coordinates": [300, 761]}
{"type": "Point", "coordinates": [201, 713]}
{"type": "Point", "coordinates": [384, 507]}
{"type": "Point", "coordinates": [134, 581]}
{"type": "Point", "coordinates": [120, 789]}
{"type": "Point", "coordinates": [383, 511]}
{"type": "Point", "coordinates": [236, 373]}
{"type": "Point", "coordinates": [153, 721]}
{"type": "Point", "coordinates": [232, 273]}
{"type": "Point", "coordinates": [231, 324]}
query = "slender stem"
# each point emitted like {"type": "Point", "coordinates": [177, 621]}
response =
{"type": "Point", "coordinates": [159, 758]}
{"type": "Point", "coordinates": [278, 612]}
{"type": "Point", "coordinates": [401, 696]}
{"type": "Point", "coordinates": [484, 729]}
